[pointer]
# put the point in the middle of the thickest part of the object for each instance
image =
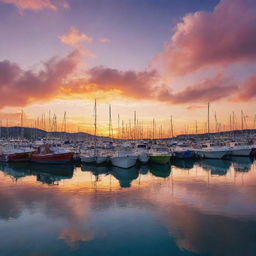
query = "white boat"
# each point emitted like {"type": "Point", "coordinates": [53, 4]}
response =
{"type": "Point", "coordinates": [124, 157]}
{"type": "Point", "coordinates": [123, 160]}
{"type": "Point", "coordinates": [211, 151]}
{"type": "Point", "coordinates": [142, 153]}
{"type": "Point", "coordinates": [240, 149]}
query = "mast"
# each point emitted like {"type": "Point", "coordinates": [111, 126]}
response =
{"type": "Point", "coordinates": [95, 126]}
{"type": "Point", "coordinates": [242, 120]}
{"type": "Point", "coordinates": [135, 122]}
{"type": "Point", "coordinates": [153, 128]}
{"type": "Point", "coordinates": [110, 132]}
{"type": "Point", "coordinates": [208, 119]}
{"type": "Point", "coordinates": [171, 127]}
{"type": "Point", "coordinates": [21, 124]}
{"type": "Point", "coordinates": [118, 126]}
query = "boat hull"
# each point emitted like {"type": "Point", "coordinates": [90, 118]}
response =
{"type": "Point", "coordinates": [123, 161]}
{"type": "Point", "coordinates": [160, 159]}
{"type": "Point", "coordinates": [184, 154]}
{"type": "Point", "coordinates": [61, 158]}
{"type": "Point", "coordinates": [15, 157]}
{"type": "Point", "coordinates": [241, 152]}
{"type": "Point", "coordinates": [212, 154]}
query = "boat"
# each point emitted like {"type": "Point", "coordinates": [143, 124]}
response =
{"type": "Point", "coordinates": [159, 155]}
{"type": "Point", "coordinates": [123, 160]}
{"type": "Point", "coordinates": [45, 155]}
{"type": "Point", "coordinates": [183, 152]}
{"type": "Point", "coordinates": [240, 149]}
{"type": "Point", "coordinates": [212, 151]}
{"type": "Point", "coordinates": [142, 153]}
{"type": "Point", "coordinates": [124, 157]}
{"type": "Point", "coordinates": [15, 154]}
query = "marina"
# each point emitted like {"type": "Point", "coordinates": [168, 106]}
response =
{"type": "Point", "coordinates": [128, 128]}
{"type": "Point", "coordinates": [180, 208]}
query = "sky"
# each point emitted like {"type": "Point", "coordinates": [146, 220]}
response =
{"type": "Point", "coordinates": [158, 58]}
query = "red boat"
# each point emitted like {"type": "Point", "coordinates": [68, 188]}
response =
{"type": "Point", "coordinates": [45, 155]}
{"type": "Point", "coordinates": [15, 157]}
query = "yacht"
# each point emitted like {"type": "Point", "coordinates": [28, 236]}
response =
{"type": "Point", "coordinates": [124, 158]}
{"type": "Point", "coordinates": [240, 149]}
{"type": "Point", "coordinates": [212, 151]}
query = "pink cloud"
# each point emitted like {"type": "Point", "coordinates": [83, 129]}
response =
{"type": "Point", "coordinates": [247, 90]}
{"type": "Point", "coordinates": [224, 36]}
{"type": "Point", "coordinates": [19, 87]}
{"type": "Point", "coordinates": [74, 37]}
{"type": "Point", "coordinates": [36, 5]}
{"type": "Point", "coordinates": [58, 78]}
{"type": "Point", "coordinates": [207, 90]}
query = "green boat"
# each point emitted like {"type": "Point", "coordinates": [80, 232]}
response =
{"type": "Point", "coordinates": [160, 158]}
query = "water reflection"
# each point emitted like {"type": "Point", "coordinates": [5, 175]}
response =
{"type": "Point", "coordinates": [242, 164]}
{"type": "Point", "coordinates": [49, 174]}
{"type": "Point", "coordinates": [183, 164]}
{"type": "Point", "coordinates": [158, 170]}
{"type": "Point", "coordinates": [125, 176]}
{"type": "Point", "coordinates": [163, 210]}
{"type": "Point", "coordinates": [215, 166]}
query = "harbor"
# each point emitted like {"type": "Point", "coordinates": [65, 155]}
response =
{"type": "Point", "coordinates": [128, 128]}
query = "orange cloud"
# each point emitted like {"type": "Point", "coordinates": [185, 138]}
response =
{"type": "Point", "coordinates": [58, 79]}
{"type": "Point", "coordinates": [201, 40]}
{"type": "Point", "coordinates": [74, 37]}
{"type": "Point", "coordinates": [36, 5]}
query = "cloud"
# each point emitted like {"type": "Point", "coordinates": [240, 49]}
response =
{"type": "Point", "coordinates": [36, 5]}
{"type": "Point", "coordinates": [19, 87]}
{"type": "Point", "coordinates": [104, 40]}
{"type": "Point", "coordinates": [207, 90]}
{"type": "Point", "coordinates": [63, 78]}
{"type": "Point", "coordinates": [247, 90]}
{"type": "Point", "coordinates": [201, 40]}
{"type": "Point", "coordinates": [75, 37]}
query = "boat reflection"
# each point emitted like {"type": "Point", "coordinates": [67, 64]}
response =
{"type": "Point", "coordinates": [215, 166]}
{"type": "Point", "coordinates": [16, 170]}
{"type": "Point", "coordinates": [242, 164]}
{"type": "Point", "coordinates": [162, 171]}
{"type": "Point", "coordinates": [47, 174]}
{"type": "Point", "coordinates": [124, 176]}
{"type": "Point", "coordinates": [183, 164]}
{"type": "Point", "coordinates": [144, 169]}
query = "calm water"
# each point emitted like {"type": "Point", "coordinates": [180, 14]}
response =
{"type": "Point", "coordinates": [188, 208]}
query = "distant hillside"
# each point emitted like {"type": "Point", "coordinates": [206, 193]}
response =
{"type": "Point", "coordinates": [34, 133]}
{"type": "Point", "coordinates": [25, 132]}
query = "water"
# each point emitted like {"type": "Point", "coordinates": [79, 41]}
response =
{"type": "Point", "coordinates": [188, 208]}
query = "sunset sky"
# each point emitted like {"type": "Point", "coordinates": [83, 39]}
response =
{"type": "Point", "coordinates": [158, 58]}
